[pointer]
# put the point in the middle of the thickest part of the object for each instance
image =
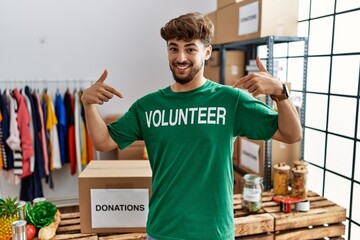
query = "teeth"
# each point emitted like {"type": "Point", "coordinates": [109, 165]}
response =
{"type": "Point", "coordinates": [182, 67]}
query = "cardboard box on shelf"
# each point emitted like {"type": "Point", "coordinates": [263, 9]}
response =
{"type": "Point", "coordinates": [214, 59]}
{"type": "Point", "coordinates": [224, 3]}
{"type": "Point", "coordinates": [234, 66]}
{"type": "Point", "coordinates": [212, 73]}
{"type": "Point", "coordinates": [233, 73]}
{"type": "Point", "coordinates": [114, 196]}
{"type": "Point", "coordinates": [283, 152]}
{"type": "Point", "coordinates": [251, 154]}
{"type": "Point", "coordinates": [250, 19]}
{"type": "Point", "coordinates": [213, 16]}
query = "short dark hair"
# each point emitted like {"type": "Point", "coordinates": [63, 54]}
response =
{"type": "Point", "coordinates": [189, 27]}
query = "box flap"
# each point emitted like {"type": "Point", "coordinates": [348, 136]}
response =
{"type": "Point", "coordinates": [117, 168]}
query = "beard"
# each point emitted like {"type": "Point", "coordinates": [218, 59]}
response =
{"type": "Point", "coordinates": [183, 79]}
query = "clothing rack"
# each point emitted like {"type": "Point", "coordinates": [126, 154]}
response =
{"type": "Point", "coordinates": [75, 83]}
{"type": "Point", "coordinates": [44, 82]}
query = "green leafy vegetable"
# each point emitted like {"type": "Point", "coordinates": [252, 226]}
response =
{"type": "Point", "coordinates": [41, 214]}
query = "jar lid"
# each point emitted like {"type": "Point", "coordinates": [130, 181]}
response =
{"type": "Point", "coordinates": [300, 169]}
{"type": "Point", "coordinates": [252, 178]}
{"type": "Point", "coordinates": [300, 163]}
{"type": "Point", "coordinates": [282, 166]}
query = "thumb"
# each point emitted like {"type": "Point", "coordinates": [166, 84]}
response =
{"type": "Point", "coordinates": [260, 65]}
{"type": "Point", "coordinates": [103, 76]}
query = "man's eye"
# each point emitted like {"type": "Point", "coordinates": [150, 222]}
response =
{"type": "Point", "coordinates": [172, 49]}
{"type": "Point", "coordinates": [190, 50]}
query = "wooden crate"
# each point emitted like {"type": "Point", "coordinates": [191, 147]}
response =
{"type": "Point", "coordinates": [69, 228]}
{"type": "Point", "coordinates": [323, 220]}
{"type": "Point", "coordinates": [258, 225]}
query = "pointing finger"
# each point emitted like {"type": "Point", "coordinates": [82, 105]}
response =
{"type": "Point", "coordinates": [113, 91]}
{"type": "Point", "coordinates": [241, 81]}
{"type": "Point", "coordinates": [103, 76]}
{"type": "Point", "coordinates": [260, 65]}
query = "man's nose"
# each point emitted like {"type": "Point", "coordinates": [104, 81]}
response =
{"type": "Point", "coordinates": [181, 57]}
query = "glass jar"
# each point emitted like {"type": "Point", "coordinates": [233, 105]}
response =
{"type": "Point", "coordinates": [300, 163]}
{"type": "Point", "coordinates": [299, 182]}
{"type": "Point", "coordinates": [251, 195]}
{"type": "Point", "coordinates": [281, 179]}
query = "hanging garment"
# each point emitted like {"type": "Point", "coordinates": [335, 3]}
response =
{"type": "Point", "coordinates": [69, 106]}
{"type": "Point", "coordinates": [7, 154]}
{"type": "Point", "coordinates": [60, 113]}
{"type": "Point", "coordinates": [78, 131]}
{"type": "Point", "coordinates": [13, 141]}
{"type": "Point", "coordinates": [48, 179]}
{"type": "Point", "coordinates": [89, 145]}
{"type": "Point", "coordinates": [1, 145]}
{"type": "Point", "coordinates": [51, 126]}
{"type": "Point", "coordinates": [26, 144]}
{"type": "Point", "coordinates": [40, 146]}
{"type": "Point", "coordinates": [31, 187]}
{"type": "Point", "coordinates": [31, 126]}
{"type": "Point", "coordinates": [83, 141]}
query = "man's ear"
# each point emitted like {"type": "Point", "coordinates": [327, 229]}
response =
{"type": "Point", "coordinates": [208, 52]}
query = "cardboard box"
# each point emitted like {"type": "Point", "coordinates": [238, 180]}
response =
{"type": "Point", "coordinates": [213, 16]}
{"type": "Point", "coordinates": [250, 19]}
{"type": "Point", "coordinates": [238, 183]}
{"type": "Point", "coordinates": [251, 156]}
{"type": "Point", "coordinates": [212, 73]}
{"type": "Point", "coordinates": [232, 57]}
{"type": "Point", "coordinates": [232, 73]}
{"type": "Point", "coordinates": [287, 153]}
{"type": "Point", "coordinates": [135, 151]}
{"type": "Point", "coordinates": [224, 3]}
{"type": "Point", "coordinates": [214, 59]}
{"type": "Point", "coordinates": [234, 66]}
{"type": "Point", "coordinates": [114, 196]}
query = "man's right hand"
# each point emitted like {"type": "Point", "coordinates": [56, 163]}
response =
{"type": "Point", "coordinates": [99, 92]}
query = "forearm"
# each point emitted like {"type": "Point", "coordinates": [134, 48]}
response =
{"type": "Point", "coordinates": [289, 126]}
{"type": "Point", "coordinates": [98, 130]}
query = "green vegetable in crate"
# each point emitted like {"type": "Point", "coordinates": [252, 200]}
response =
{"type": "Point", "coordinates": [41, 214]}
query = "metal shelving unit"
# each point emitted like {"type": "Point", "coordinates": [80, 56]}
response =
{"type": "Point", "coordinates": [251, 46]}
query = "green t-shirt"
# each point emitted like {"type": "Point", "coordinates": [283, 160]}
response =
{"type": "Point", "coordinates": [189, 137]}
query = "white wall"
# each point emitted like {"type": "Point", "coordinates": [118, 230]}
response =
{"type": "Point", "coordinates": [67, 39]}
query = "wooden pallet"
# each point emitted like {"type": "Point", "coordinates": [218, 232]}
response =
{"type": "Point", "coordinates": [69, 228]}
{"type": "Point", "coordinates": [324, 220]}
{"type": "Point", "coordinates": [258, 225]}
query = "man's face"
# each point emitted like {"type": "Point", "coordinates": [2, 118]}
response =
{"type": "Point", "coordinates": [186, 59]}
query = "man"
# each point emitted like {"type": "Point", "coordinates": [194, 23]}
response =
{"type": "Point", "coordinates": [189, 129]}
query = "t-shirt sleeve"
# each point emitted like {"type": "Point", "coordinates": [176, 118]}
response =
{"type": "Point", "coordinates": [126, 129]}
{"type": "Point", "coordinates": [254, 119]}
